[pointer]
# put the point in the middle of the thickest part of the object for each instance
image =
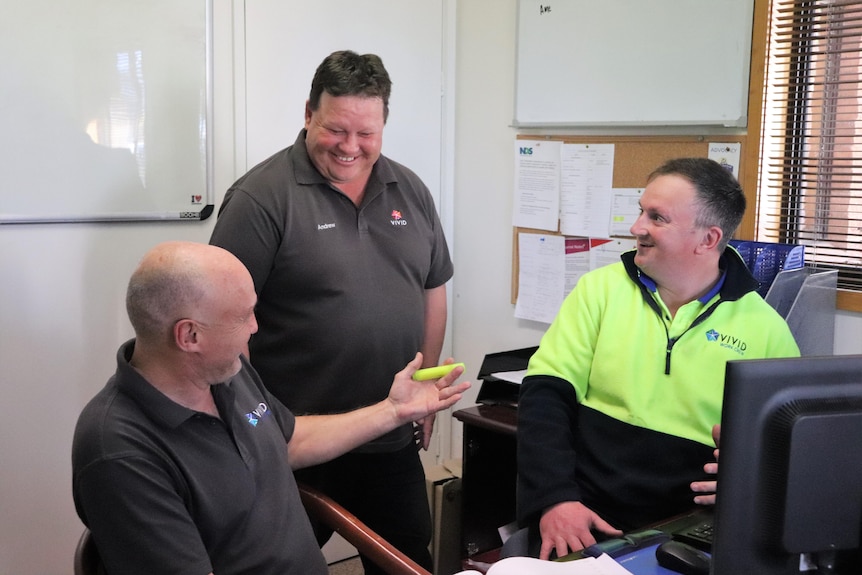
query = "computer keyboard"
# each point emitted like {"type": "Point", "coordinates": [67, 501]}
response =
{"type": "Point", "coordinates": [627, 543]}
{"type": "Point", "coordinates": [698, 535]}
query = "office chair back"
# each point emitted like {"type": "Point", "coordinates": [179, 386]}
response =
{"type": "Point", "coordinates": [87, 558]}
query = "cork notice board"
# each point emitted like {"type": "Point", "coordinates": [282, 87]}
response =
{"type": "Point", "coordinates": [635, 157]}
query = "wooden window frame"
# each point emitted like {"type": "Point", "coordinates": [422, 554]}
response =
{"type": "Point", "coordinates": [850, 300]}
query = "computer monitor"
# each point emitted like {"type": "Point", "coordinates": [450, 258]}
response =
{"type": "Point", "coordinates": [790, 467]}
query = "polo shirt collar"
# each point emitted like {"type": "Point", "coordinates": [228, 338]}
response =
{"type": "Point", "coordinates": [650, 284]}
{"type": "Point", "coordinates": [155, 404]}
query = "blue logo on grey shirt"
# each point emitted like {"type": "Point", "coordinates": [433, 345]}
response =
{"type": "Point", "coordinates": [257, 414]}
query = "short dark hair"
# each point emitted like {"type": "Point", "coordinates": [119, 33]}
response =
{"type": "Point", "coordinates": [346, 73]}
{"type": "Point", "coordinates": [722, 202]}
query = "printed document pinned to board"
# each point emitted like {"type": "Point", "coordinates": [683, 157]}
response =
{"type": "Point", "coordinates": [625, 209]}
{"type": "Point", "coordinates": [608, 251]}
{"type": "Point", "coordinates": [541, 276]}
{"type": "Point", "coordinates": [537, 184]}
{"type": "Point", "coordinates": [727, 155]}
{"type": "Point", "coordinates": [550, 266]}
{"type": "Point", "coordinates": [586, 176]}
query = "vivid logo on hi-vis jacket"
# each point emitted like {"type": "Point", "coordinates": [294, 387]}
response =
{"type": "Point", "coordinates": [727, 341]}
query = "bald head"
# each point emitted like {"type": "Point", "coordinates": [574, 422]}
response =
{"type": "Point", "coordinates": [177, 280]}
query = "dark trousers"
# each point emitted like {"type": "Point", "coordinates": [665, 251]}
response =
{"type": "Point", "coordinates": [384, 490]}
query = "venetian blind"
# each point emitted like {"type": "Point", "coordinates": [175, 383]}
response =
{"type": "Point", "coordinates": [811, 156]}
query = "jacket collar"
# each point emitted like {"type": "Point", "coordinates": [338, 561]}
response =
{"type": "Point", "coordinates": [738, 280]}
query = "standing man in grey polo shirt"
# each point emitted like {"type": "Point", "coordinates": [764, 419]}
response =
{"type": "Point", "coordinates": [350, 264]}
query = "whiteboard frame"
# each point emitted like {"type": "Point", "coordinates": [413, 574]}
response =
{"type": "Point", "coordinates": [198, 211]}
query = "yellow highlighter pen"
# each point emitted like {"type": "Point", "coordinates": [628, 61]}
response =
{"type": "Point", "coordinates": [435, 372]}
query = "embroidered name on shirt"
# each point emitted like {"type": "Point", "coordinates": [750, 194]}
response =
{"type": "Point", "coordinates": [257, 414]}
{"type": "Point", "coordinates": [325, 226]}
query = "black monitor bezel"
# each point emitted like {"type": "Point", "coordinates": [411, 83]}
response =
{"type": "Point", "coordinates": [762, 399]}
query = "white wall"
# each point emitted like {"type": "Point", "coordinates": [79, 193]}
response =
{"type": "Point", "coordinates": [62, 318]}
{"type": "Point", "coordinates": [62, 289]}
{"type": "Point", "coordinates": [482, 316]}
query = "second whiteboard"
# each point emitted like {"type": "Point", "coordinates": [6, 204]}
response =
{"type": "Point", "coordinates": [633, 62]}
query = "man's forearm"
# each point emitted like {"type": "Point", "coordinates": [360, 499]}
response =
{"type": "Point", "coordinates": [319, 438]}
{"type": "Point", "coordinates": [435, 325]}
{"type": "Point", "coordinates": [547, 412]}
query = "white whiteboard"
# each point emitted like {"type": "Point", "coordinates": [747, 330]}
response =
{"type": "Point", "coordinates": [105, 110]}
{"type": "Point", "coordinates": [633, 62]}
{"type": "Point", "coordinates": [286, 41]}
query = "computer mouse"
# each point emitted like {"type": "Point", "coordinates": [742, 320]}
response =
{"type": "Point", "coordinates": [682, 558]}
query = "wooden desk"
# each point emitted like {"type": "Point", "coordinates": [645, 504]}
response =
{"type": "Point", "coordinates": [489, 476]}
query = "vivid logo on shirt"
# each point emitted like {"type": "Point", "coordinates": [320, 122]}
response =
{"type": "Point", "coordinates": [257, 414]}
{"type": "Point", "coordinates": [727, 341]}
{"type": "Point", "coordinates": [397, 218]}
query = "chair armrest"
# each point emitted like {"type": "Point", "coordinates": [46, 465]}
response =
{"type": "Point", "coordinates": [87, 558]}
{"type": "Point", "coordinates": [324, 509]}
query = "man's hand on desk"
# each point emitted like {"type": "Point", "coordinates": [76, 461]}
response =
{"type": "Point", "coordinates": [708, 487]}
{"type": "Point", "coordinates": [568, 526]}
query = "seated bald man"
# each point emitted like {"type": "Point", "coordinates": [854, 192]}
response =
{"type": "Point", "coordinates": [183, 463]}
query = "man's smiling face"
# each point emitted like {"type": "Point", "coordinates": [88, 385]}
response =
{"type": "Point", "coordinates": [344, 136]}
{"type": "Point", "coordinates": [666, 233]}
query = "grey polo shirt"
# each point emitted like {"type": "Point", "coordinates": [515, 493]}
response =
{"type": "Point", "coordinates": [166, 489]}
{"type": "Point", "coordinates": [341, 287]}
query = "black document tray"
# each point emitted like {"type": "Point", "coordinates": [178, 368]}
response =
{"type": "Point", "coordinates": [496, 391]}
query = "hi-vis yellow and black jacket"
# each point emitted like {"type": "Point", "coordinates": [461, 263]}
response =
{"type": "Point", "coordinates": [618, 404]}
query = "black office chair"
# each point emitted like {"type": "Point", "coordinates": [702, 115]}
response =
{"type": "Point", "coordinates": [319, 507]}
{"type": "Point", "coordinates": [87, 558]}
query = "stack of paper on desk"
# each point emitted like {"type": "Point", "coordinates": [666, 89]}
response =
{"type": "Point", "coordinates": [516, 376]}
{"type": "Point", "coordinates": [601, 565]}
